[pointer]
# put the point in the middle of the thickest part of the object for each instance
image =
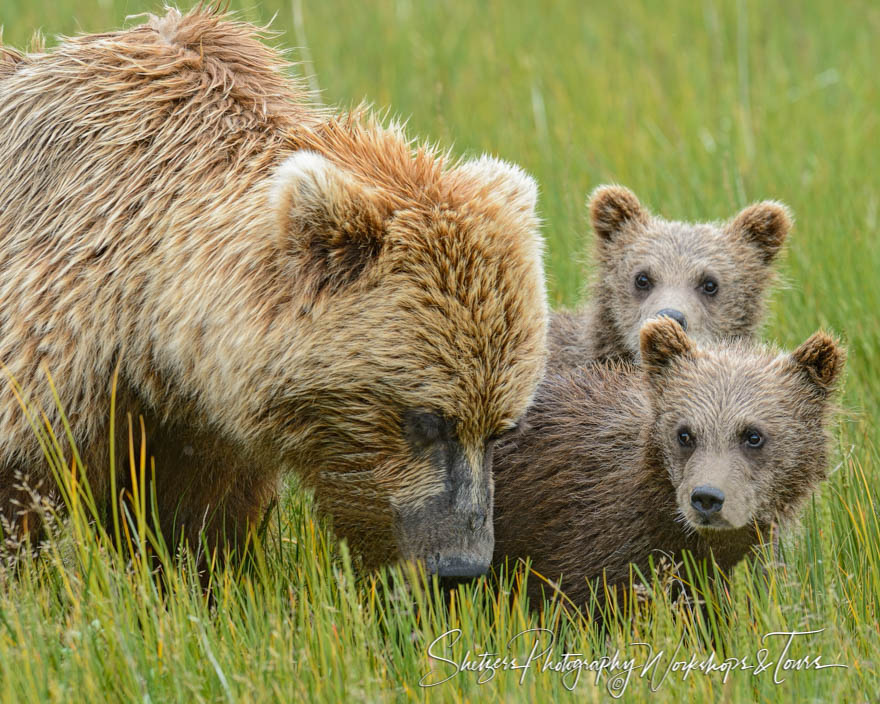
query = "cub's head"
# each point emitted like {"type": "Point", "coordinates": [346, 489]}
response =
{"type": "Point", "coordinates": [742, 431]}
{"type": "Point", "coordinates": [424, 322]}
{"type": "Point", "coordinates": [710, 278]}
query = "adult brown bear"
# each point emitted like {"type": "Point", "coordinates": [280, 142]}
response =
{"type": "Point", "coordinates": [277, 285]}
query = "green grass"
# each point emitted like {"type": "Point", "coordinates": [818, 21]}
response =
{"type": "Point", "coordinates": [700, 107]}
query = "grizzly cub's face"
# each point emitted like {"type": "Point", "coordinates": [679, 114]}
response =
{"type": "Point", "coordinates": [710, 278]}
{"type": "Point", "coordinates": [742, 432]}
{"type": "Point", "coordinates": [433, 312]}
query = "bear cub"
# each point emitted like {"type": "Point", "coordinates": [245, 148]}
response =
{"type": "Point", "coordinates": [701, 448]}
{"type": "Point", "coordinates": [711, 278]}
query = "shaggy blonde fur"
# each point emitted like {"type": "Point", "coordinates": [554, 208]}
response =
{"type": "Point", "coordinates": [276, 284]}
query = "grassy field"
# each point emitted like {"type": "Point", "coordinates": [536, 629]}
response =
{"type": "Point", "coordinates": [700, 107]}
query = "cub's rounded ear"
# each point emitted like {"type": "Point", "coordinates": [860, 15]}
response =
{"type": "Point", "coordinates": [501, 181]}
{"type": "Point", "coordinates": [820, 360]}
{"type": "Point", "coordinates": [662, 341]}
{"type": "Point", "coordinates": [612, 208]}
{"type": "Point", "coordinates": [765, 225]}
{"type": "Point", "coordinates": [330, 223]}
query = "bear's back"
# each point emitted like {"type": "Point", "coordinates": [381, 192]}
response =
{"type": "Point", "coordinates": [105, 126]}
{"type": "Point", "coordinates": [582, 436]}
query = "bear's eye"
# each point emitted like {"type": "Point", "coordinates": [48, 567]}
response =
{"type": "Point", "coordinates": [643, 281]}
{"type": "Point", "coordinates": [686, 438]}
{"type": "Point", "coordinates": [752, 438]}
{"type": "Point", "coordinates": [709, 287]}
{"type": "Point", "coordinates": [422, 428]}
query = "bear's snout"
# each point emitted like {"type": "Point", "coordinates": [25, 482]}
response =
{"type": "Point", "coordinates": [707, 500]}
{"type": "Point", "coordinates": [676, 315]}
{"type": "Point", "coordinates": [452, 531]}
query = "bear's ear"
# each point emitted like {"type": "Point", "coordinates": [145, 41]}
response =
{"type": "Point", "coordinates": [820, 360]}
{"type": "Point", "coordinates": [332, 225]}
{"type": "Point", "coordinates": [662, 341]}
{"type": "Point", "coordinates": [502, 181]}
{"type": "Point", "coordinates": [612, 208]}
{"type": "Point", "coordinates": [765, 225]}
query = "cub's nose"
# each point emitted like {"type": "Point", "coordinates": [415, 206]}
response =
{"type": "Point", "coordinates": [707, 500]}
{"type": "Point", "coordinates": [676, 315]}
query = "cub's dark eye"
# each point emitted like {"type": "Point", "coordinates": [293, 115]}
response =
{"type": "Point", "coordinates": [709, 287]}
{"type": "Point", "coordinates": [421, 428]}
{"type": "Point", "coordinates": [643, 281]}
{"type": "Point", "coordinates": [686, 438]}
{"type": "Point", "coordinates": [752, 438]}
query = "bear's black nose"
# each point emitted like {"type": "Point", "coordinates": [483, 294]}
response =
{"type": "Point", "coordinates": [707, 500]}
{"type": "Point", "coordinates": [676, 315]}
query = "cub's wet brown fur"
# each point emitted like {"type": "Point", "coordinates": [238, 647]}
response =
{"type": "Point", "coordinates": [599, 479]}
{"type": "Point", "coordinates": [279, 287]}
{"type": "Point", "coordinates": [677, 260]}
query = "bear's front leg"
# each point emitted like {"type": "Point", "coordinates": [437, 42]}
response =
{"type": "Point", "coordinates": [25, 498]}
{"type": "Point", "coordinates": [209, 492]}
